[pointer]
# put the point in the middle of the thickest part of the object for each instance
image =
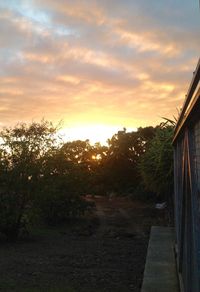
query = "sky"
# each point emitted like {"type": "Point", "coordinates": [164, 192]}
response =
{"type": "Point", "coordinates": [96, 65]}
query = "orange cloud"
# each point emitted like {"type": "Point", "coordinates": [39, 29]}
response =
{"type": "Point", "coordinates": [85, 62]}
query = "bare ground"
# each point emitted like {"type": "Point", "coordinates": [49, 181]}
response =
{"type": "Point", "coordinates": [104, 252]}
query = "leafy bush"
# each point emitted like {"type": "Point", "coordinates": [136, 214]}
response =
{"type": "Point", "coordinates": [59, 195]}
{"type": "Point", "coordinates": [58, 208]}
{"type": "Point", "coordinates": [38, 175]}
{"type": "Point", "coordinates": [156, 165]}
{"type": "Point", "coordinates": [12, 219]}
{"type": "Point", "coordinates": [21, 151]}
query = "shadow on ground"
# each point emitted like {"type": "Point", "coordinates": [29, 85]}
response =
{"type": "Point", "coordinates": [104, 252]}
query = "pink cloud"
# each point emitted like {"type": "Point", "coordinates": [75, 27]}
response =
{"type": "Point", "coordinates": [80, 62]}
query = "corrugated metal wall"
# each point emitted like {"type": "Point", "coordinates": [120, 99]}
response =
{"type": "Point", "coordinates": [187, 188]}
{"type": "Point", "coordinates": [197, 174]}
{"type": "Point", "coordinates": [197, 151]}
{"type": "Point", "coordinates": [187, 203]}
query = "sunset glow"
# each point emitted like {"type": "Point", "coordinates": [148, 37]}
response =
{"type": "Point", "coordinates": [98, 66]}
{"type": "Point", "coordinates": [95, 133]}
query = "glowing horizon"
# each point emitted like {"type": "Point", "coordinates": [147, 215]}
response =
{"type": "Point", "coordinates": [98, 62]}
{"type": "Point", "coordinates": [94, 133]}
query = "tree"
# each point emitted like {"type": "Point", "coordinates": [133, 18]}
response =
{"type": "Point", "coordinates": [124, 153]}
{"type": "Point", "coordinates": [22, 150]}
{"type": "Point", "coordinates": [62, 184]}
{"type": "Point", "coordinates": [88, 160]}
{"type": "Point", "coordinates": [156, 166]}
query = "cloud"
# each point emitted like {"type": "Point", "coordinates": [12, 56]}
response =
{"type": "Point", "coordinates": [88, 61]}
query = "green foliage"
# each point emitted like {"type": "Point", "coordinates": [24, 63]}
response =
{"type": "Point", "coordinates": [58, 207]}
{"type": "Point", "coordinates": [22, 149]}
{"type": "Point", "coordinates": [123, 155]}
{"type": "Point", "coordinates": [13, 215]}
{"type": "Point", "coordinates": [89, 161]}
{"type": "Point", "coordinates": [62, 184]}
{"type": "Point", "coordinates": [37, 175]}
{"type": "Point", "coordinates": [156, 165]}
{"type": "Point", "coordinates": [41, 175]}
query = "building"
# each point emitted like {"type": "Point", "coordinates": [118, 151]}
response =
{"type": "Point", "coordinates": [187, 188]}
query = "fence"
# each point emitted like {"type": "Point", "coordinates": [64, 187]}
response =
{"type": "Point", "coordinates": [187, 188]}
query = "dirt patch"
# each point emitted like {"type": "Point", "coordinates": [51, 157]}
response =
{"type": "Point", "coordinates": [104, 252]}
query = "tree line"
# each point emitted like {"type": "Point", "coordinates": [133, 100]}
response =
{"type": "Point", "coordinates": [43, 177]}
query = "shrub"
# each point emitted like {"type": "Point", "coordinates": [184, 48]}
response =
{"type": "Point", "coordinates": [59, 207]}
{"type": "Point", "coordinates": [11, 217]}
{"type": "Point", "coordinates": [21, 152]}
{"type": "Point", "coordinates": [156, 165]}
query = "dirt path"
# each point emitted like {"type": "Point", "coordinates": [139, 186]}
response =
{"type": "Point", "coordinates": [106, 252]}
{"type": "Point", "coordinates": [113, 221]}
{"type": "Point", "coordinates": [121, 217]}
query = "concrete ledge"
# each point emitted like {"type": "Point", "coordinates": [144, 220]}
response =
{"type": "Point", "coordinates": [160, 268]}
